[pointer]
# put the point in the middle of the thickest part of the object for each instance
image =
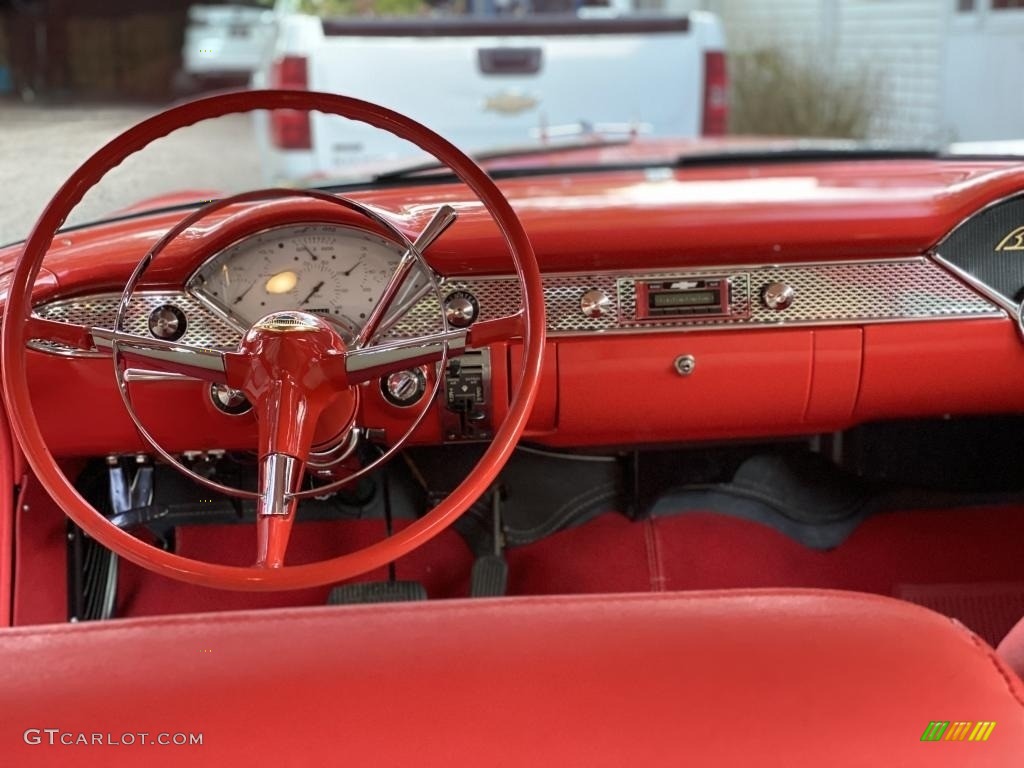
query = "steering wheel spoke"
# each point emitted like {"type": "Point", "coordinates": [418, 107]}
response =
{"type": "Point", "coordinates": [286, 415]}
{"type": "Point", "coordinates": [165, 356]}
{"type": "Point", "coordinates": [280, 477]}
{"type": "Point", "coordinates": [370, 362]}
{"type": "Point", "coordinates": [399, 295]}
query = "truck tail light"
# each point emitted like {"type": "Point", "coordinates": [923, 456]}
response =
{"type": "Point", "coordinates": [716, 94]}
{"type": "Point", "coordinates": [290, 128]}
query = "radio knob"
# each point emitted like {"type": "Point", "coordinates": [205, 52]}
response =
{"type": "Point", "coordinates": [778, 296]}
{"type": "Point", "coordinates": [596, 303]}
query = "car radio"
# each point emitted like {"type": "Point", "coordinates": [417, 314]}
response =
{"type": "Point", "coordinates": [683, 297]}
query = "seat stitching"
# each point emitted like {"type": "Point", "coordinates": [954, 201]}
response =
{"type": "Point", "coordinates": [984, 648]}
{"type": "Point", "coordinates": [654, 564]}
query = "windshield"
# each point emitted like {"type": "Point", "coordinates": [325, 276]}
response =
{"type": "Point", "coordinates": [524, 85]}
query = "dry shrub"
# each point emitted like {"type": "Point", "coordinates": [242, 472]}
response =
{"type": "Point", "coordinates": [778, 93]}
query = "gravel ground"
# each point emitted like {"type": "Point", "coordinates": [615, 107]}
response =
{"type": "Point", "coordinates": [40, 146]}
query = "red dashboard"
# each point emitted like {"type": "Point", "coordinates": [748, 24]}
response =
{"type": "Point", "coordinates": [877, 325]}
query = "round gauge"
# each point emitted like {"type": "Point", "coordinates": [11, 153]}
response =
{"type": "Point", "coordinates": [328, 269]}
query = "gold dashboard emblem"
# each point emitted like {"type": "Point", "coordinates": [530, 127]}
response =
{"type": "Point", "coordinates": [1013, 241]}
{"type": "Point", "coordinates": [509, 103]}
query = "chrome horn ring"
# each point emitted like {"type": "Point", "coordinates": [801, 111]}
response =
{"type": "Point", "coordinates": [268, 194]}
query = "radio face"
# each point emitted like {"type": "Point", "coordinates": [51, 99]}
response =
{"type": "Point", "coordinates": [667, 299]}
{"type": "Point", "coordinates": [683, 298]}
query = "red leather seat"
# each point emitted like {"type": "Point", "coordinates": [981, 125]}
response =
{"type": "Point", "coordinates": [786, 678]}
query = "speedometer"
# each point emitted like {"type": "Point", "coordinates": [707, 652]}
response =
{"type": "Point", "coordinates": [328, 269]}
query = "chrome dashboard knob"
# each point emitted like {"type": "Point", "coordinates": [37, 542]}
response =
{"type": "Point", "coordinates": [167, 322]}
{"type": "Point", "coordinates": [230, 401]}
{"type": "Point", "coordinates": [461, 309]}
{"type": "Point", "coordinates": [778, 296]}
{"type": "Point", "coordinates": [596, 303]}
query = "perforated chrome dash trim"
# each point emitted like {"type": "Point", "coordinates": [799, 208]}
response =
{"type": "Point", "coordinates": [203, 328]}
{"type": "Point", "coordinates": [834, 293]}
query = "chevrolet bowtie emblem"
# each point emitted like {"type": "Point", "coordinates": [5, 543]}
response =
{"type": "Point", "coordinates": [509, 103]}
{"type": "Point", "coordinates": [1013, 241]}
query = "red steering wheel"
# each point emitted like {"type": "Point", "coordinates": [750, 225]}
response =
{"type": "Point", "coordinates": [291, 365]}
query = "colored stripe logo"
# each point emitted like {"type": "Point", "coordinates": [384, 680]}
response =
{"type": "Point", "coordinates": [961, 730]}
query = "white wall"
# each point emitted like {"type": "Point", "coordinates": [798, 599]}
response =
{"type": "Point", "coordinates": [901, 42]}
{"type": "Point", "coordinates": [943, 75]}
{"type": "Point", "coordinates": [794, 24]}
{"type": "Point", "coordinates": [983, 89]}
{"type": "Point", "coordinates": [896, 42]}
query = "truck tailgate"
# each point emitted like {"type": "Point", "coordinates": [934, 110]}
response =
{"type": "Point", "coordinates": [492, 90]}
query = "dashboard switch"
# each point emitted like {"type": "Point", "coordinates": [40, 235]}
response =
{"type": "Point", "coordinates": [778, 296]}
{"type": "Point", "coordinates": [467, 397]}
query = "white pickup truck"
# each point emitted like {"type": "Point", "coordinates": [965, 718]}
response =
{"type": "Point", "coordinates": [224, 44]}
{"type": "Point", "coordinates": [490, 82]}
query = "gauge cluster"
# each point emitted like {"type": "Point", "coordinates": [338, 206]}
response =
{"type": "Point", "coordinates": [332, 270]}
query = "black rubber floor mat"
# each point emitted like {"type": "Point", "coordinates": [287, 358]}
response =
{"type": "Point", "coordinates": [990, 610]}
{"type": "Point", "coordinates": [809, 499]}
{"type": "Point", "coordinates": [803, 496]}
{"type": "Point", "coordinates": [543, 492]}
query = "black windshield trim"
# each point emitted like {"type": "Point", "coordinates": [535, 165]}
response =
{"type": "Point", "coordinates": [801, 155]}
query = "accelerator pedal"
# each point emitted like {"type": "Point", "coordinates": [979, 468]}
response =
{"type": "Point", "coordinates": [377, 592]}
{"type": "Point", "coordinates": [489, 577]}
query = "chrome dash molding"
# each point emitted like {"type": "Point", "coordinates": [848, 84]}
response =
{"type": "Point", "coordinates": [910, 289]}
{"type": "Point", "coordinates": [204, 328]}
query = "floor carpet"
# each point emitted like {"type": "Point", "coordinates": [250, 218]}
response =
{"type": "Point", "coordinates": [964, 562]}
